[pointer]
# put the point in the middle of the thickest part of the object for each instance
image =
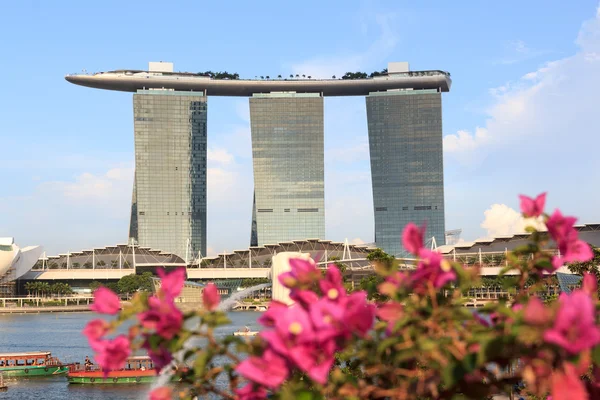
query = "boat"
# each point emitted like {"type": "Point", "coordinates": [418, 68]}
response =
{"type": "Point", "coordinates": [26, 364]}
{"type": "Point", "coordinates": [245, 332]}
{"type": "Point", "coordinates": [137, 369]}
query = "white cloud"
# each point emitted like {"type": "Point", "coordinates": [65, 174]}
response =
{"type": "Point", "coordinates": [517, 51]}
{"type": "Point", "coordinates": [338, 64]}
{"type": "Point", "coordinates": [502, 220]}
{"type": "Point", "coordinates": [555, 104]}
{"type": "Point", "coordinates": [357, 241]}
{"type": "Point", "coordinates": [219, 156]}
{"type": "Point", "coordinates": [358, 151]}
{"type": "Point", "coordinates": [113, 185]}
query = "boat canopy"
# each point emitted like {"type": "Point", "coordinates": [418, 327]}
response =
{"type": "Point", "coordinates": [27, 354]}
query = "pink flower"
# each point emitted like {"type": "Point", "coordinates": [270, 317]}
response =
{"type": "Point", "coordinates": [393, 283]}
{"type": "Point", "coordinates": [163, 316]}
{"type": "Point", "coordinates": [590, 284]}
{"type": "Point", "coordinates": [273, 313]}
{"type": "Point", "coordinates": [303, 297]}
{"type": "Point", "coordinates": [536, 313]}
{"type": "Point", "coordinates": [161, 393]}
{"type": "Point", "coordinates": [251, 392]}
{"type": "Point", "coordinates": [293, 326]}
{"type": "Point", "coordinates": [95, 329]}
{"type": "Point", "coordinates": [269, 370]}
{"type": "Point", "coordinates": [359, 313]}
{"type": "Point", "coordinates": [328, 319]}
{"type": "Point", "coordinates": [211, 297]}
{"type": "Point", "coordinates": [390, 312]}
{"type": "Point", "coordinates": [568, 385]}
{"type": "Point", "coordinates": [412, 238]}
{"type": "Point", "coordinates": [574, 326]}
{"type": "Point", "coordinates": [533, 208]}
{"type": "Point", "coordinates": [161, 357]}
{"type": "Point", "coordinates": [303, 272]}
{"type": "Point", "coordinates": [565, 235]}
{"type": "Point", "coordinates": [105, 301]}
{"type": "Point", "coordinates": [111, 354]}
{"type": "Point", "coordinates": [432, 268]}
{"type": "Point", "coordinates": [171, 283]}
{"type": "Point", "coordinates": [332, 286]}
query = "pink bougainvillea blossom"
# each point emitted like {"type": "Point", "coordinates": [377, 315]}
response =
{"type": "Point", "coordinates": [171, 283]}
{"type": "Point", "coordinates": [269, 370]}
{"type": "Point", "coordinates": [360, 314]}
{"type": "Point", "coordinates": [303, 297]}
{"type": "Point", "coordinates": [533, 208]}
{"type": "Point", "coordinates": [112, 353]}
{"type": "Point", "coordinates": [568, 385]}
{"type": "Point", "coordinates": [390, 312]}
{"type": "Point", "coordinates": [412, 238]}
{"type": "Point", "coordinates": [96, 329]}
{"type": "Point", "coordinates": [590, 284]}
{"type": "Point", "coordinates": [574, 327]}
{"type": "Point", "coordinates": [251, 392]}
{"type": "Point", "coordinates": [161, 357]}
{"type": "Point", "coordinates": [162, 316]}
{"type": "Point", "coordinates": [105, 301]}
{"type": "Point", "coordinates": [161, 393]}
{"type": "Point", "coordinates": [275, 310]}
{"type": "Point", "coordinates": [432, 268]}
{"type": "Point", "coordinates": [536, 313]}
{"type": "Point", "coordinates": [571, 249]}
{"type": "Point", "coordinates": [303, 272]}
{"type": "Point", "coordinates": [211, 297]}
{"type": "Point", "coordinates": [332, 286]}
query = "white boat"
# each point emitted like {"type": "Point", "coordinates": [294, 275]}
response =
{"type": "Point", "coordinates": [245, 332]}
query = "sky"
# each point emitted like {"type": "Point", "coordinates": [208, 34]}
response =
{"type": "Point", "coordinates": [521, 117]}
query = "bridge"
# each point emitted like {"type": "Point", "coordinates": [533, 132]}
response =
{"type": "Point", "coordinates": [99, 274]}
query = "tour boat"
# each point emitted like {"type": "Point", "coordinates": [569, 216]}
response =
{"type": "Point", "coordinates": [245, 332]}
{"type": "Point", "coordinates": [36, 363]}
{"type": "Point", "coordinates": [139, 369]}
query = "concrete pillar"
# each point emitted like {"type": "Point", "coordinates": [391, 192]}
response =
{"type": "Point", "coordinates": [280, 264]}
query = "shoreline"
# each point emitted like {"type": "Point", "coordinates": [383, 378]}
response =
{"type": "Point", "coordinates": [43, 310]}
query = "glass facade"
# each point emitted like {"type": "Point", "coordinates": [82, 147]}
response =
{"type": "Point", "coordinates": [169, 200]}
{"type": "Point", "coordinates": [407, 169]}
{"type": "Point", "coordinates": [288, 159]}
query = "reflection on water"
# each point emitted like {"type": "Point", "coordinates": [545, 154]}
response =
{"type": "Point", "coordinates": [60, 333]}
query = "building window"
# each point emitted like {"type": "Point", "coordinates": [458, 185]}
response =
{"type": "Point", "coordinates": [308, 210]}
{"type": "Point", "coordinates": [265, 210]}
{"type": "Point", "coordinates": [380, 208]}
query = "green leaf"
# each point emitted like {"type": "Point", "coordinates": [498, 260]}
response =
{"type": "Point", "coordinates": [201, 362]}
{"type": "Point", "coordinates": [307, 395]}
{"type": "Point", "coordinates": [452, 373]}
{"type": "Point", "coordinates": [596, 355]}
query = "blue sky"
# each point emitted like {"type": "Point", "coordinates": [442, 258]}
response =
{"type": "Point", "coordinates": [521, 116]}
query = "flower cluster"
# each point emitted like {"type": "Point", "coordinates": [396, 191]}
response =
{"type": "Point", "coordinates": [307, 334]}
{"type": "Point", "coordinates": [405, 335]}
{"type": "Point", "coordinates": [561, 230]}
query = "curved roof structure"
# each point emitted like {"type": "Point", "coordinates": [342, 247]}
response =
{"type": "Point", "coordinates": [14, 261]}
{"type": "Point", "coordinates": [133, 80]}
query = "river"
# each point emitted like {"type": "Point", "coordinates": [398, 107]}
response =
{"type": "Point", "coordinates": [60, 333]}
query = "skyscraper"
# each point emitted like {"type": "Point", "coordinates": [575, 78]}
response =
{"type": "Point", "coordinates": [169, 199]}
{"type": "Point", "coordinates": [405, 141]}
{"type": "Point", "coordinates": [288, 159]}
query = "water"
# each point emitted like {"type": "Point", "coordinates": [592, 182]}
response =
{"type": "Point", "coordinates": [60, 333]}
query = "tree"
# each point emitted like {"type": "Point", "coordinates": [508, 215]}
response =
{"type": "Point", "coordinates": [262, 77]}
{"type": "Point", "coordinates": [114, 263]}
{"type": "Point", "coordinates": [291, 75]}
{"type": "Point", "coordinates": [333, 77]}
{"type": "Point", "coordinates": [304, 76]}
{"type": "Point", "coordinates": [75, 265]}
{"type": "Point", "coordinates": [126, 264]}
{"type": "Point", "coordinates": [279, 76]}
{"type": "Point", "coordinates": [309, 77]}
{"type": "Point", "coordinates": [146, 283]}
{"type": "Point", "coordinates": [589, 266]}
{"type": "Point", "coordinates": [100, 263]}
{"type": "Point", "coordinates": [297, 76]}
{"type": "Point", "coordinates": [30, 287]}
{"type": "Point", "coordinates": [129, 284]}
{"type": "Point", "coordinates": [268, 77]}
{"type": "Point", "coordinates": [87, 265]}
{"type": "Point", "coordinates": [95, 285]}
